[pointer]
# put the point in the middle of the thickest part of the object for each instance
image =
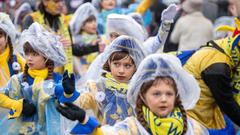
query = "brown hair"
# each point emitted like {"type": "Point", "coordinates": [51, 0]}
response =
{"type": "Point", "coordinates": [9, 43]}
{"type": "Point", "coordinates": [49, 64]}
{"type": "Point", "coordinates": [89, 19]}
{"type": "Point", "coordinates": [144, 88]}
{"type": "Point", "coordinates": [119, 55]}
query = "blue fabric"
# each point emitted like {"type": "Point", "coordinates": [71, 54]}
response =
{"type": "Point", "coordinates": [183, 56]}
{"type": "Point", "coordinates": [102, 19]}
{"type": "Point", "coordinates": [87, 128]}
{"type": "Point", "coordinates": [228, 130]}
{"type": "Point", "coordinates": [52, 118]}
{"type": "Point", "coordinates": [49, 124]}
{"type": "Point", "coordinates": [147, 16]}
{"type": "Point", "coordinates": [115, 106]}
{"type": "Point", "coordinates": [59, 92]}
{"type": "Point", "coordinates": [10, 65]}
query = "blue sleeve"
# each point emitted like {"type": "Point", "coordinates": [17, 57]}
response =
{"type": "Point", "coordinates": [59, 93]}
{"type": "Point", "coordinates": [87, 128]}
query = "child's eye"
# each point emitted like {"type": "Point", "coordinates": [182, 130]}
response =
{"type": "Point", "coordinates": [157, 94]}
{"type": "Point", "coordinates": [1, 35]}
{"type": "Point", "coordinates": [35, 54]}
{"type": "Point", "coordinates": [128, 66]}
{"type": "Point", "coordinates": [169, 94]}
{"type": "Point", "coordinates": [116, 64]}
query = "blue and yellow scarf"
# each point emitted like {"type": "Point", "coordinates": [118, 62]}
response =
{"type": "Point", "coordinates": [171, 125]}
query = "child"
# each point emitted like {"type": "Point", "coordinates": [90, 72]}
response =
{"type": "Point", "coordinates": [43, 51]}
{"type": "Point", "coordinates": [84, 33]}
{"type": "Point", "coordinates": [10, 63]}
{"type": "Point", "coordinates": [159, 91]}
{"type": "Point", "coordinates": [115, 69]}
{"type": "Point", "coordinates": [132, 25]}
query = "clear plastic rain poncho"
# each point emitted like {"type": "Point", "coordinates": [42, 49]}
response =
{"type": "Point", "coordinates": [128, 26]}
{"type": "Point", "coordinates": [45, 43]}
{"type": "Point", "coordinates": [24, 9]}
{"type": "Point", "coordinates": [151, 67]}
{"type": "Point", "coordinates": [80, 16]}
{"type": "Point", "coordinates": [47, 119]}
{"type": "Point", "coordinates": [111, 94]}
{"type": "Point", "coordinates": [166, 65]}
{"type": "Point", "coordinates": [132, 25]}
{"type": "Point", "coordinates": [122, 43]}
{"type": "Point", "coordinates": [8, 27]}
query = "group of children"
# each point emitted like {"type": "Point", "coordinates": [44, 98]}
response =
{"type": "Point", "coordinates": [127, 89]}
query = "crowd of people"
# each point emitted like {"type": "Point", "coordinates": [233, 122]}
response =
{"type": "Point", "coordinates": [124, 67]}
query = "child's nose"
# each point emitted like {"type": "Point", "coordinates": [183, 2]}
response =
{"type": "Point", "coordinates": [121, 69]}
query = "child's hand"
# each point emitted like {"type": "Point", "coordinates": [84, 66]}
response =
{"type": "Point", "coordinates": [169, 13]}
{"type": "Point", "coordinates": [101, 46]}
{"type": "Point", "coordinates": [29, 108]}
{"type": "Point", "coordinates": [65, 42]}
{"type": "Point", "coordinates": [72, 112]}
{"type": "Point", "coordinates": [68, 83]}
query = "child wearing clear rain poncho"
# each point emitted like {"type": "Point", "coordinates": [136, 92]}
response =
{"type": "Point", "coordinates": [83, 28]}
{"type": "Point", "coordinates": [10, 63]}
{"type": "Point", "coordinates": [132, 25]}
{"type": "Point", "coordinates": [159, 92]}
{"type": "Point", "coordinates": [43, 51]}
{"type": "Point", "coordinates": [108, 80]}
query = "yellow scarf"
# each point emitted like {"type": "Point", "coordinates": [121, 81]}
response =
{"type": "Point", "coordinates": [112, 84]}
{"type": "Point", "coordinates": [171, 125]}
{"type": "Point", "coordinates": [4, 61]}
{"type": "Point", "coordinates": [38, 75]}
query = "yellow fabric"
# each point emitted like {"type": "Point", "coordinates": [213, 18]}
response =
{"type": "Point", "coordinates": [4, 69]}
{"type": "Point", "coordinates": [63, 31]}
{"type": "Point", "coordinates": [235, 57]}
{"type": "Point", "coordinates": [4, 57]}
{"type": "Point", "coordinates": [97, 131]}
{"type": "Point", "coordinates": [38, 75]}
{"type": "Point", "coordinates": [172, 124]}
{"type": "Point", "coordinates": [38, 91]}
{"type": "Point", "coordinates": [206, 111]}
{"type": "Point", "coordinates": [88, 38]}
{"type": "Point", "coordinates": [144, 6]}
{"type": "Point", "coordinates": [21, 61]}
{"type": "Point", "coordinates": [229, 28]}
{"type": "Point", "coordinates": [14, 105]}
{"type": "Point", "coordinates": [112, 84]}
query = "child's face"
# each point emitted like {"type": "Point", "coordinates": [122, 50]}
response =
{"type": "Point", "coordinates": [108, 4]}
{"type": "Point", "coordinates": [54, 7]}
{"type": "Point", "coordinates": [3, 42]}
{"type": "Point", "coordinates": [122, 70]}
{"type": "Point", "coordinates": [90, 27]}
{"type": "Point", "coordinates": [35, 61]}
{"type": "Point", "coordinates": [160, 98]}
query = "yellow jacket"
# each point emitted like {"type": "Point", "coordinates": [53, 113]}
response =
{"type": "Point", "coordinates": [206, 111]}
